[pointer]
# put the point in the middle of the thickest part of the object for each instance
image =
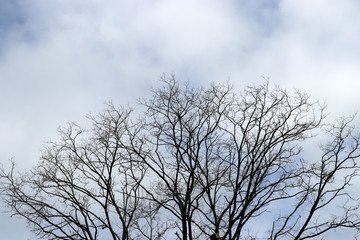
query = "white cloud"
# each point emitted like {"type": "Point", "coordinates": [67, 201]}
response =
{"type": "Point", "coordinates": [315, 48]}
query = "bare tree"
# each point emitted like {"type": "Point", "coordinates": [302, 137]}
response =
{"type": "Point", "coordinates": [86, 186]}
{"type": "Point", "coordinates": [322, 183]}
{"type": "Point", "coordinates": [196, 163]}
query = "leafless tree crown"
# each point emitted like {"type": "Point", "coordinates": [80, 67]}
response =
{"type": "Point", "coordinates": [195, 164]}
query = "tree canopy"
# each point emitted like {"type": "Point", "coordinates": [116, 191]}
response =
{"type": "Point", "coordinates": [193, 162]}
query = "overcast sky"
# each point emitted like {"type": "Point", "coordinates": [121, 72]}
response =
{"type": "Point", "coordinates": [60, 59]}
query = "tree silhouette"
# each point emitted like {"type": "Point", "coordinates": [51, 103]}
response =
{"type": "Point", "coordinates": [195, 163]}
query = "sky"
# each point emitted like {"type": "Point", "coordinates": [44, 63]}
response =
{"type": "Point", "coordinates": [62, 59]}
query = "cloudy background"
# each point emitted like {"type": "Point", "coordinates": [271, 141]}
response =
{"type": "Point", "coordinates": [61, 59]}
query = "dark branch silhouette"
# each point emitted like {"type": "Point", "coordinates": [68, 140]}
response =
{"type": "Point", "coordinates": [194, 164]}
